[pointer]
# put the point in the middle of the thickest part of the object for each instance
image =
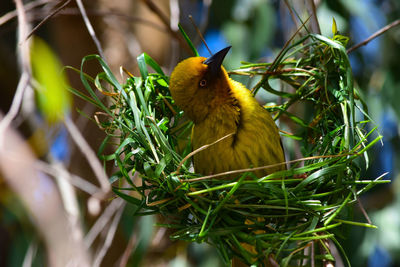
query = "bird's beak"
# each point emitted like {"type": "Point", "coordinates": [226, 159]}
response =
{"type": "Point", "coordinates": [215, 61]}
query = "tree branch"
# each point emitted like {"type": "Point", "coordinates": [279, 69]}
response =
{"type": "Point", "coordinates": [373, 36]}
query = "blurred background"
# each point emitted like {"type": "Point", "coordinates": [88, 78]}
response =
{"type": "Point", "coordinates": [56, 203]}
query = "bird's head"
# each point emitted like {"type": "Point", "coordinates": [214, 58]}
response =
{"type": "Point", "coordinates": [198, 84]}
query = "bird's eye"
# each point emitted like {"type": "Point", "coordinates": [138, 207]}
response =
{"type": "Point", "coordinates": [203, 83]}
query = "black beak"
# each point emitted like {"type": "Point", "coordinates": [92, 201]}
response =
{"type": "Point", "coordinates": [215, 61]}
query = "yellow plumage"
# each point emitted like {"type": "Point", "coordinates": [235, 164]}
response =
{"type": "Point", "coordinates": [220, 106]}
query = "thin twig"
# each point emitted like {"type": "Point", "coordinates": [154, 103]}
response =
{"type": "Point", "coordinates": [174, 14]}
{"type": "Point", "coordinates": [288, 42]}
{"type": "Point", "coordinates": [361, 206]}
{"type": "Point", "coordinates": [164, 19]}
{"type": "Point", "coordinates": [312, 254]}
{"type": "Point", "coordinates": [89, 154]}
{"type": "Point", "coordinates": [23, 83]}
{"type": "Point", "coordinates": [174, 10]}
{"type": "Point", "coordinates": [123, 262]}
{"type": "Point", "coordinates": [102, 221]}
{"type": "Point", "coordinates": [72, 11]}
{"type": "Point", "coordinates": [75, 180]}
{"type": "Point", "coordinates": [157, 11]}
{"type": "Point", "coordinates": [200, 34]}
{"type": "Point", "coordinates": [110, 236]}
{"type": "Point", "coordinates": [374, 35]}
{"type": "Point", "coordinates": [47, 18]}
{"type": "Point", "coordinates": [260, 83]}
{"type": "Point", "coordinates": [24, 51]}
{"type": "Point", "coordinates": [61, 233]}
{"type": "Point", "coordinates": [264, 167]}
{"type": "Point", "coordinates": [205, 13]}
{"type": "Point", "coordinates": [15, 105]}
{"type": "Point", "coordinates": [90, 28]}
{"type": "Point", "coordinates": [314, 19]}
{"type": "Point", "coordinates": [198, 150]}
{"type": "Point", "coordinates": [12, 14]}
{"type": "Point", "coordinates": [67, 192]}
{"type": "Point", "coordinates": [291, 13]}
{"type": "Point", "coordinates": [30, 254]}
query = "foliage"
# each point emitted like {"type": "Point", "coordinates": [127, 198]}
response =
{"type": "Point", "coordinates": [53, 100]}
{"type": "Point", "coordinates": [279, 215]}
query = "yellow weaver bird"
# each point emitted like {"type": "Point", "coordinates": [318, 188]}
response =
{"type": "Point", "coordinates": [221, 107]}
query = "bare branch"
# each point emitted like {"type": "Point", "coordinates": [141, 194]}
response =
{"type": "Point", "coordinates": [110, 236]}
{"type": "Point", "coordinates": [15, 105]}
{"type": "Point", "coordinates": [90, 28]}
{"type": "Point", "coordinates": [47, 18]}
{"type": "Point", "coordinates": [164, 19]}
{"type": "Point", "coordinates": [89, 154]}
{"type": "Point", "coordinates": [29, 6]}
{"type": "Point", "coordinates": [30, 254]}
{"type": "Point", "coordinates": [102, 221]}
{"type": "Point", "coordinates": [75, 180]}
{"type": "Point", "coordinates": [311, 9]}
{"type": "Point", "coordinates": [374, 35]}
{"type": "Point", "coordinates": [24, 59]}
{"type": "Point", "coordinates": [128, 250]}
{"type": "Point", "coordinates": [39, 194]}
{"type": "Point", "coordinates": [361, 206]}
{"type": "Point", "coordinates": [293, 16]}
{"type": "Point", "coordinates": [114, 13]}
{"type": "Point", "coordinates": [312, 254]}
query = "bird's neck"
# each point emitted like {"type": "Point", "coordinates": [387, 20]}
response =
{"type": "Point", "coordinates": [223, 110]}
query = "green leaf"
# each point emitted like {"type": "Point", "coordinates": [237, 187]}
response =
{"type": "Point", "coordinates": [142, 66]}
{"type": "Point", "coordinates": [51, 85]}
{"type": "Point", "coordinates": [188, 40]}
{"type": "Point", "coordinates": [152, 63]}
{"type": "Point", "coordinates": [334, 27]}
{"type": "Point", "coordinates": [128, 198]}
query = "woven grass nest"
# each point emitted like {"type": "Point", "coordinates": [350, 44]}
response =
{"type": "Point", "coordinates": [291, 217]}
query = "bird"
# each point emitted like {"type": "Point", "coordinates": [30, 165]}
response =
{"type": "Point", "coordinates": [237, 131]}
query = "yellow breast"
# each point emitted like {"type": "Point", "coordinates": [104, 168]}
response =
{"type": "Point", "coordinates": [255, 141]}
